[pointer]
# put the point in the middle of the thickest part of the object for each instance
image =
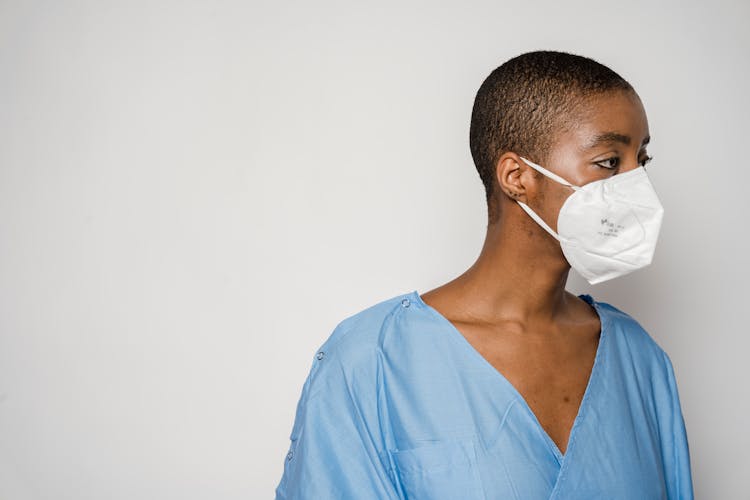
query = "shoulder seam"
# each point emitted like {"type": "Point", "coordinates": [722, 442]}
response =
{"type": "Point", "coordinates": [351, 322]}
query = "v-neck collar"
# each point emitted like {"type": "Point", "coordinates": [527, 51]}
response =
{"type": "Point", "coordinates": [593, 377]}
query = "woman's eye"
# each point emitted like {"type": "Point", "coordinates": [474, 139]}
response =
{"type": "Point", "coordinates": [644, 161]}
{"type": "Point", "coordinates": [610, 163]}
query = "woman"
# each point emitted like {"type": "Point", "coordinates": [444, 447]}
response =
{"type": "Point", "coordinates": [500, 384]}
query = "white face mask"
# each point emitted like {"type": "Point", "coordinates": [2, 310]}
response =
{"type": "Point", "coordinates": [609, 227]}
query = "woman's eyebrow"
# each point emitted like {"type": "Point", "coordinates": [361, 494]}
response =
{"type": "Point", "coordinates": [610, 137]}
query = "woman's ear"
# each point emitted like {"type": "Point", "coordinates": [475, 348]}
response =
{"type": "Point", "coordinates": [509, 178]}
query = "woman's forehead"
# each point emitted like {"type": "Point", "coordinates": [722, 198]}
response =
{"type": "Point", "coordinates": [615, 118]}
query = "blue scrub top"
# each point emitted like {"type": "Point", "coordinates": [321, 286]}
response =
{"type": "Point", "coordinates": [399, 405]}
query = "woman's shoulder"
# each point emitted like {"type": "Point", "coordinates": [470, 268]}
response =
{"type": "Point", "coordinates": [364, 330]}
{"type": "Point", "coordinates": [353, 348]}
{"type": "Point", "coordinates": [633, 342]}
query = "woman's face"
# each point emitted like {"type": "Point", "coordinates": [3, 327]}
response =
{"type": "Point", "coordinates": [608, 137]}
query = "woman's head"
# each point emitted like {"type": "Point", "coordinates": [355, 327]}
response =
{"type": "Point", "coordinates": [544, 104]}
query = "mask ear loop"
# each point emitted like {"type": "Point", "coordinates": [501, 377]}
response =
{"type": "Point", "coordinates": [539, 220]}
{"type": "Point", "coordinates": [550, 174]}
{"type": "Point", "coordinates": [533, 214]}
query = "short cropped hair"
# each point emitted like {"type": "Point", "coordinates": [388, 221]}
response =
{"type": "Point", "coordinates": [524, 104]}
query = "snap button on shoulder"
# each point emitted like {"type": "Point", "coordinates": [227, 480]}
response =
{"type": "Point", "coordinates": [320, 355]}
{"type": "Point", "coordinates": [405, 303]}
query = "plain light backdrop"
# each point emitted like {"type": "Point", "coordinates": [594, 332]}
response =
{"type": "Point", "coordinates": [193, 194]}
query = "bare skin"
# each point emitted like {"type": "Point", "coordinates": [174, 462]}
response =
{"type": "Point", "coordinates": [511, 304]}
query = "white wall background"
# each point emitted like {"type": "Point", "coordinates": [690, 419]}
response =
{"type": "Point", "coordinates": [193, 194]}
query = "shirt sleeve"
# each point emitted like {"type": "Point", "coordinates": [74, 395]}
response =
{"type": "Point", "coordinates": [336, 440]}
{"type": "Point", "coordinates": [676, 450]}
